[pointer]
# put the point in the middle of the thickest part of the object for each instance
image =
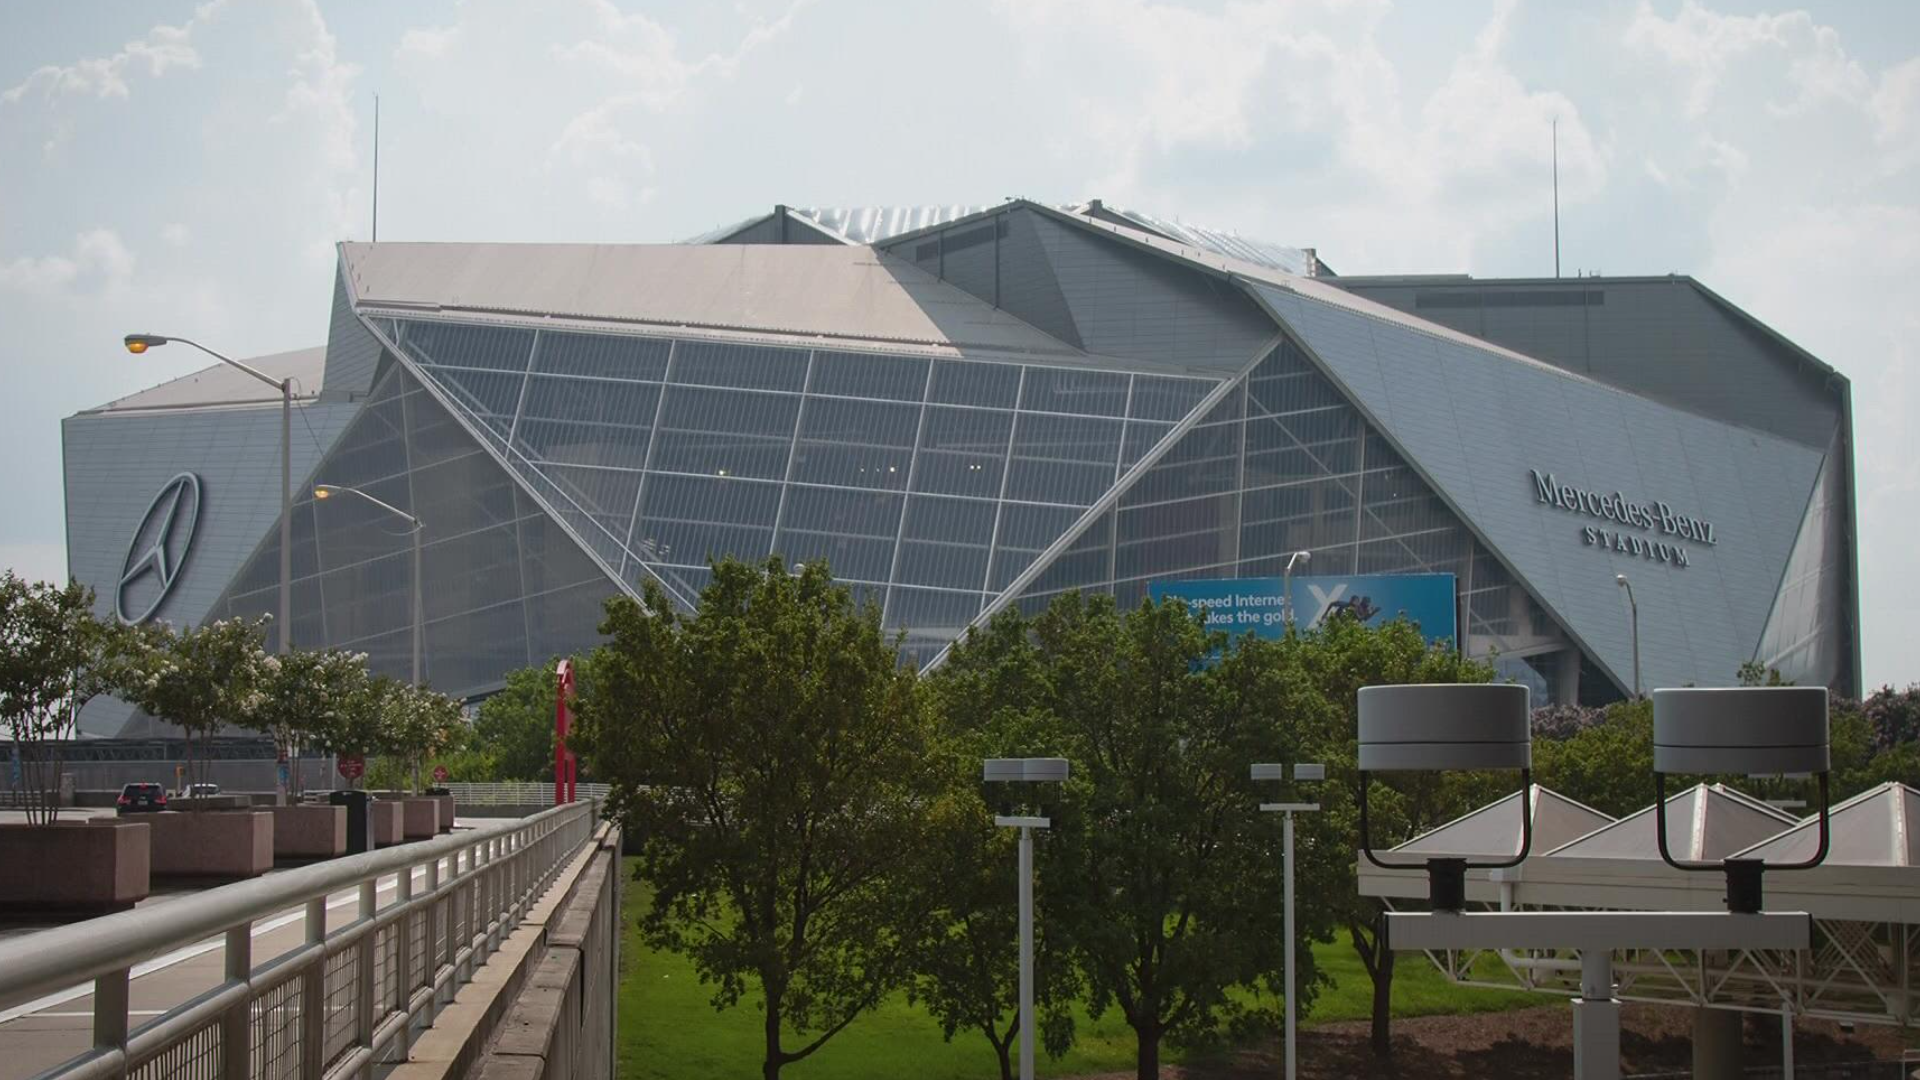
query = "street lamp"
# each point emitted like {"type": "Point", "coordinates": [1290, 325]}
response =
{"type": "Point", "coordinates": [1759, 731]}
{"type": "Point", "coordinates": [1286, 584]}
{"type": "Point", "coordinates": [325, 491]}
{"type": "Point", "coordinates": [1462, 727]}
{"type": "Point", "coordinates": [1300, 772]}
{"type": "Point", "coordinates": [1634, 610]}
{"type": "Point", "coordinates": [140, 343]}
{"type": "Point", "coordinates": [1025, 771]}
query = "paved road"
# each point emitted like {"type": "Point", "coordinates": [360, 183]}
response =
{"type": "Point", "coordinates": [43, 1033]}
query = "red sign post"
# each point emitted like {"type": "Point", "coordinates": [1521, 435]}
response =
{"type": "Point", "coordinates": [351, 766]}
{"type": "Point", "coordinates": [565, 769]}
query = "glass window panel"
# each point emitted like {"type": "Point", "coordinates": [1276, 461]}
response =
{"type": "Point", "coordinates": [1158, 397]}
{"type": "Point", "coordinates": [566, 622]}
{"type": "Point", "coordinates": [958, 474]}
{"type": "Point", "coordinates": [473, 571]}
{"type": "Point", "coordinates": [848, 557]}
{"type": "Point", "coordinates": [477, 648]}
{"type": "Point", "coordinates": [606, 494]}
{"type": "Point", "coordinates": [955, 521]}
{"type": "Point", "coordinates": [1062, 438]}
{"type": "Point", "coordinates": [590, 401]}
{"type": "Point", "coordinates": [1141, 437]}
{"type": "Point", "coordinates": [493, 396]}
{"type": "Point", "coordinates": [975, 382]}
{"type": "Point", "coordinates": [499, 348]}
{"type": "Point", "coordinates": [433, 434]}
{"type": "Point", "coordinates": [1058, 482]}
{"type": "Point", "coordinates": [870, 423]}
{"type": "Point", "coordinates": [1303, 517]}
{"type": "Point", "coordinates": [1083, 566]}
{"type": "Point", "coordinates": [973, 431]}
{"type": "Point", "coordinates": [1439, 552]}
{"type": "Point", "coordinates": [1174, 536]}
{"type": "Point", "coordinates": [351, 529]}
{"type": "Point", "coordinates": [750, 367]}
{"type": "Point", "coordinates": [902, 378]}
{"type": "Point", "coordinates": [693, 544]}
{"type": "Point", "coordinates": [694, 409]}
{"type": "Point", "coordinates": [458, 496]}
{"type": "Point", "coordinates": [583, 444]}
{"type": "Point", "coordinates": [831, 510]}
{"type": "Point", "coordinates": [852, 466]}
{"type": "Point", "coordinates": [955, 566]}
{"type": "Point", "coordinates": [1204, 461]}
{"type": "Point", "coordinates": [613, 356]}
{"type": "Point", "coordinates": [728, 456]}
{"type": "Point", "coordinates": [368, 597]}
{"type": "Point", "coordinates": [687, 498]}
{"type": "Point", "coordinates": [932, 612]}
{"type": "Point", "coordinates": [1034, 527]}
{"type": "Point", "coordinates": [1089, 393]}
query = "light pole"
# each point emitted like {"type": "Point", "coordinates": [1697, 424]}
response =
{"type": "Point", "coordinates": [140, 343]}
{"type": "Point", "coordinates": [1300, 772]}
{"type": "Point", "coordinates": [1025, 770]}
{"type": "Point", "coordinates": [1633, 610]}
{"type": "Point", "coordinates": [324, 491]}
{"type": "Point", "coordinates": [1286, 584]}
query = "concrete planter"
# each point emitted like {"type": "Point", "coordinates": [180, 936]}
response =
{"type": "Point", "coordinates": [211, 843]}
{"type": "Point", "coordinates": [387, 823]}
{"type": "Point", "coordinates": [421, 819]}
{"type": "Point", "coordinates": [446, 812]}
{"type": "Point", "coordinates": [100, 867]}
{"type": "Point", "coordinates": [309, 832]}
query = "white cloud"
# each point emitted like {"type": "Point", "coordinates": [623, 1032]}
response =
{"type": "Point", "coordinates": [163, 48]}
{"type": "Point", "coordinates": [1400, 180]}
{"type": "Point", "coordinates": [176, 233]}
{"type": "Point", "coordinates": [98, 262]}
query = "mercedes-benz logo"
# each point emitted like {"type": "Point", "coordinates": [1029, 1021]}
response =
{"type": "Point", "coordinates": [158, 549]}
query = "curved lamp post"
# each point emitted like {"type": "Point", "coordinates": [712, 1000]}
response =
{"type": "Point", "coordinates": [1633, 609]}
{"type": "Point", "coordinates": [1446, 727]}
{"type": "Point", "coordinates": [326, 491]}
{"type": "Point", "coordinates": [140, 343]}
{"type": "Point", "coordinates": [1758, 731]}
{"type": "Point", "coordinates": [1286, 584]}
{"type": "Point", "coordinates": [1025, 771]}
{"type": "Point", "coordinates": [1301, 772]}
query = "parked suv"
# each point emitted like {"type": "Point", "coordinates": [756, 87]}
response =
{"type": "Point", "coordinates": [195, 791]}
{"type": "Point", "coordinates": [135, 798]}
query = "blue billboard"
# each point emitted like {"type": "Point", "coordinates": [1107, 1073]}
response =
{"type": "Point", "coordinates": [1255, 605]}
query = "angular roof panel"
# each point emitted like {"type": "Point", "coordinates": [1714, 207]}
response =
{"type": "Point", "coordinates": [1706, 822]}
{"type": "Point", "coordinates": [799, 290]}
{"type": "Point", "coordinates": [1878, 827]}
{"type": "Point", "coordinates": [224, 385]}
{"type": "Point", "coordinates": [1494, 829]}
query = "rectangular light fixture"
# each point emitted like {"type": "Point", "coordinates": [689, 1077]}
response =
{"type": "Point", "coordinates": [1270, 772]}
{"type": "Point", "coordinates": [1310, 772]}
{"type": "Point", "coordinates": [1038, 769]}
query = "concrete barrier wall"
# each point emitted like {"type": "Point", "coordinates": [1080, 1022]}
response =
{"type": "Point", "coordinates": [561, 1024]}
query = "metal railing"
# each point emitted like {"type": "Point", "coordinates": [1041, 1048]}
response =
{"type": "Point", "coordinates": [516, 793]}
{"type": "Point", "coordinates": [330, 1008]}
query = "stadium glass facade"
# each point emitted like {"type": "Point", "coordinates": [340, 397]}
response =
{"type": "Point", "coordinates": [1001, 406]}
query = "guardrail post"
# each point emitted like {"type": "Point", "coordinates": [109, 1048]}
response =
{"type": "Point", "coordinates": [110, 1015]}
{"type": "Point", "coordinates": [403, 957]}
{"type": "Point", "coordinates": [431, 929]}
{"type": "Point", "coordinates": [365, 1018]}
{"type": "Point", "coordinates": [313, 994]}
{"type": "Point", "coordinates": [236, 1025]}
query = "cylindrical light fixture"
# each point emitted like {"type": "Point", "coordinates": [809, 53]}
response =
{"type": "Point", "coordinates": [1427, 727]}
{"type": "Point", "coordinates": [1750, 730]}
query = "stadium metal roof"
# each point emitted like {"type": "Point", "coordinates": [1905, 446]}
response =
{"type": "Point", "coordinates": [810, 291]}
{"type": "Point", "coordinates": [879, 224]}
{"type": "Point", "coordinates": [1493, 831]}
{"type": "Point", "coordinates": [220, 384]}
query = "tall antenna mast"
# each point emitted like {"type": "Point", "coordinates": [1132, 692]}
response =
{"type": "Point", "coordinates": [376, 176]}
{"type": "Point", "coordinates": [1556, 195]}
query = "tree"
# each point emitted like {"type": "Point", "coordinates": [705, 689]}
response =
{"type": "Point", "coordinates": [416, 724]}
{"type": "Point", "coordinates": [201, 679]}
{"type": "Point", "coordinates": [1168, 876]}
{"type": "Point", "coordinates": [989, 701]}
{"type": "Point", "coordinates": [769, 752]}
{"type": "Point", "coordinates": [305, 694]}
{"type": "Point", "coordinates": [1337, 659]}
{"type": "Point", "coordinates": [55, 656]}
{"type": "Point", "coordinates": [516, 724]}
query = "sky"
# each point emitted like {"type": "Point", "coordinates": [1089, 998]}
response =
{"type": "Point", "coordinates": [187, 168]}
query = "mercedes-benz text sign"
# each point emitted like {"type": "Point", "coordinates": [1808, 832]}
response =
{"type": "Point", "coordinates": [158, 550]}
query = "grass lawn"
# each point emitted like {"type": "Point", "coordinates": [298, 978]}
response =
{"type": "Point", "coordinates": [669, 1029]}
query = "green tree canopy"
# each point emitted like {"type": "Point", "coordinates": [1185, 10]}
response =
{"type": "Point", "coordinates": [769, 752]}
{"type": "Point", "coordinates": [515, 725]}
